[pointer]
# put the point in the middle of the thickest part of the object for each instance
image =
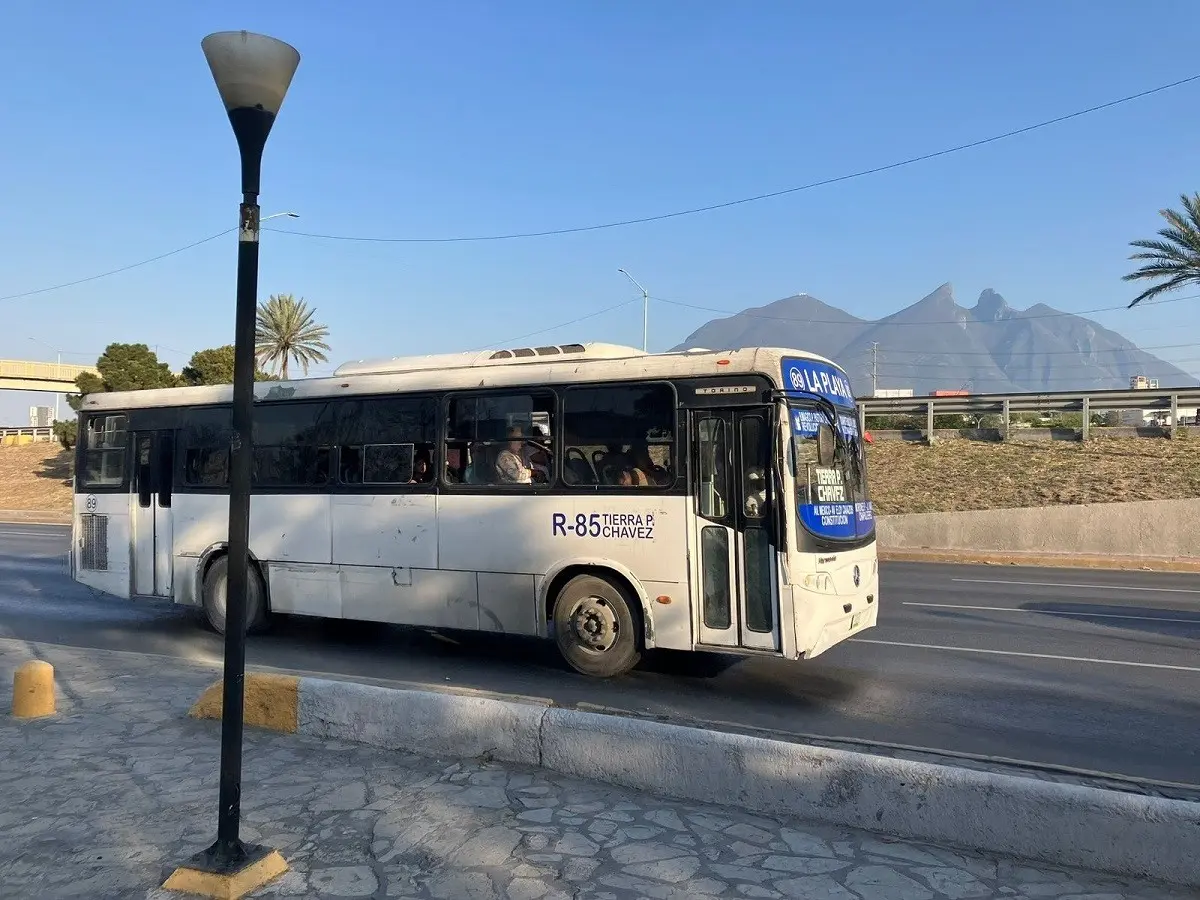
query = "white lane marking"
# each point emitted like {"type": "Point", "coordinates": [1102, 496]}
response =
{"type": "Point", "coordinates": [49, 534]}
{"type": "Point", "coordinates": [1082, 659]}
{"type": "Point", "coordinates": [1052, 612]}
{"type": "Point", "coordinates": [1102, 587]}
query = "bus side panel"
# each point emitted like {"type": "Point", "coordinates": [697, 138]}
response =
{"type": "Point", "coordinates": [507, 535]}
{"type": "Point", "coordinates": [102, 542]}
{"type": "Point", "coordinates": [200, 521]}
{"type": "Point", "coordinates": [284, 530]}
{"type": "Point", "coordinates": [291, 528]}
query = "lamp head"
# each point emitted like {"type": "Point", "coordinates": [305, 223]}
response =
{"type": "Point", "coordinates": [253, 73]}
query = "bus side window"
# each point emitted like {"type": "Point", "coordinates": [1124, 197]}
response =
{"type": "Point", "coordinates": [204, 443]}
{"type": "Point", "coordinates": [621, 436]}
{"type": "Point", "coordinates": [387, 441]}
{"type": "Point", "coordinates": [104, 458]}
{"type": "Point", "coordinates": [292, 444]}
{"type": "Point", "coordinates": [505, 440]}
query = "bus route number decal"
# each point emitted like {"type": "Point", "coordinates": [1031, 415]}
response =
{"type": "Point", "coordinates": [621, 526]}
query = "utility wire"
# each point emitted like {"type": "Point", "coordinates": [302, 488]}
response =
{"type": "Point", "coordinates": [530, 334]}
{"type": "Point", "coordinates": [644, 219]}
{"type": "Point", "coordinates": [1006, 354]}
{"type": "Point", "coordinates": [875, 170]}
{"type": "Point", "coordinates": [144, 262]}
{"type": "Point", "coordinates": [925, 324]}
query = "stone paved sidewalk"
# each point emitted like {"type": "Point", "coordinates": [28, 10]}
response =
{"type": "Point", "coordinates": [100, 801]}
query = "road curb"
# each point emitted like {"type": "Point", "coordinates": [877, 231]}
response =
{"type": "Point", "coordinates": [33, 517]}
{"type": "Point", "coordinates": [1042, 560]}
{"type": "Point", "coordinates": [1108, 831]}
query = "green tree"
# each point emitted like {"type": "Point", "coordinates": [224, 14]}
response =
{"type": "Point", "coordinates": [286, 332]}
{"type": "Point", "coordinates": [67, 433]}
{"type": "Point", "coordinates": [124, 367]}
{"type": "Point", "coordinates": [214, 366]}
{"type": "Point", "coordinates": [1174, 259]}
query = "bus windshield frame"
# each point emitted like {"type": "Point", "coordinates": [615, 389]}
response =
{"type": "Point", "coordinates": [831, 502]}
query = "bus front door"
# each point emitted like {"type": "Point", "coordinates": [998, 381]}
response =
{"type": "Point", "coordinates": [735, 548]}
{"type": "Point", "coordinates": [152, 536]}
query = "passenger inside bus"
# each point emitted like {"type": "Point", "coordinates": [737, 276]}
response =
{"type": "Point", "coordinates": [476, 471]}
{"type": "Point", "coordinates": [422, 468]}
{"type": "Point", "coordinates": [647, 473]}
{"type": "Point", "coordinates": [512, 463]}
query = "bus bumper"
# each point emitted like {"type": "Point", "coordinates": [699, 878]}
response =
{"type": "Point", "coordinates": [829, 607]}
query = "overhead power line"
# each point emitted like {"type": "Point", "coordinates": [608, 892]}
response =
{"type": "Point", "coordinates": [924, 324]}
{"type": "Point", "coordinates": [521, 337]}
{"type": "Point", "coordinates": [767, 195]}
{"type": "Point", "coordinates": [1006, 354]}
{"type": "Point", "coordinates": [99, 275]}
{"type": "Point", "coordinates": [643, 219]}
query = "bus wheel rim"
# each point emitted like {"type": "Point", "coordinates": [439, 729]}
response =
{"type": "Point", "coordinates": [594, 624]}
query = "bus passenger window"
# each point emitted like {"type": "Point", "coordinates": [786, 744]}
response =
{"type": "Point", "coordinates": [104, 457]}
{"type": "Point", "coordinates": [621, 436]}
{"type": "Point", "coordinates": [292, 445]}
{"type": "Point", "coordinates": [386, 441]}
{"type": "Point", "coordinates": [508, 439]}
{"type": "Point", "coordinates": [204, 443]}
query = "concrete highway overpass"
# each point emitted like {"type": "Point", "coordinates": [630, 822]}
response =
{"type": "Point", "coordinates": [57, 378]}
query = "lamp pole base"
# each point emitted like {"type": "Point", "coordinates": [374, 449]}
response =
{"type": "Point", "coordinates": [227, 871]}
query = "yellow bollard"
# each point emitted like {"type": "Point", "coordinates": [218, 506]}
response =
{"type": "Point", "coordinates": [33, 690]}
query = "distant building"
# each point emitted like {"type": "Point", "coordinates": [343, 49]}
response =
{"type": "Point", "coordinates": [894, 392]}
{"type": "Point", "coordinates": [1140, 416]}
{"type": "Point", "coordinates": [41, 416]}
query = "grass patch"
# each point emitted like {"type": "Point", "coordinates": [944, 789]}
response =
{"type": "Point", "coordinates": [961, 475]}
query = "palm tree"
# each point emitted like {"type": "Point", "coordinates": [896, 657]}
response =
{"type": "Point", "coordinates": [285, 331]}
{"type": "Point", "coordinates": [1175, 259]}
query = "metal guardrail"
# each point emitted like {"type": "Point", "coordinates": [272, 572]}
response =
{"type": "Point", "coordinates": [1086, 402]}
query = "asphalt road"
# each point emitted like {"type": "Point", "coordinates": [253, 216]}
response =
{"type": "Point", "coordinates": [1094, 670]}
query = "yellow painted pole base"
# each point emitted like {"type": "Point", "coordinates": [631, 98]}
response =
{"type": "Point", "coordinates": [33, 690]}
{"type": "Point", "coordinates": [228, 886]}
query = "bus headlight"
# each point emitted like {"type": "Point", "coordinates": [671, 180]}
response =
{"type": "Point", "coordinates": [821, 582]}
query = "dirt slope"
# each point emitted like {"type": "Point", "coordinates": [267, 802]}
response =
{"type": "Point", "coordinates": [35, 476]}
{"type": "Point", "coordinates": [961, 475]}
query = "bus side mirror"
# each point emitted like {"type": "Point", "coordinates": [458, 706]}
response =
{"type": "Point", "coordinates": [826, 444]}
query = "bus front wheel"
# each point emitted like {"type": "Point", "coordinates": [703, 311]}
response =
{"type": "Point", "coordinates": [215, 595]}
{"type": "Point", "coordinates": [595, 628]}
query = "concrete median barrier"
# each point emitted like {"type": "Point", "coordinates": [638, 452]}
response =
{"type": "Point", "coordinates": [1109, 831]}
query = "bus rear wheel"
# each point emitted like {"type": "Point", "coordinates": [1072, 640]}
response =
{"type": "Point", "coordinates": [215, 594]}
{"type": "Point", "coordinates": [594, 627]}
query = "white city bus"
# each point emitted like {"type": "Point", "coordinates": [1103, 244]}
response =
{"type": "Point", "coordinates": [614, 500]}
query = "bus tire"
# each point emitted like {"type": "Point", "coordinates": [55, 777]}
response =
{"type": "Point", "coordinates": [216, 581]}
{"type": "Point", "coordinates": [595, 628]}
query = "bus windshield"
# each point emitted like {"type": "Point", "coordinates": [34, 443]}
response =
{"type": "Point", "coordinates": [831, 500]}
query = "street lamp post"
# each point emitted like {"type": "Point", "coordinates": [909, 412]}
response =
{"type": "Point", "coordinates": [645, 310]}
{"type": "Point", "coordinates": [57, 362]}
{"type": "Point", "coordinates": [253, 73]}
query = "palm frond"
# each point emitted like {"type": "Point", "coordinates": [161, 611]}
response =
{"type": "Point", "coordinates": [1174, 258]}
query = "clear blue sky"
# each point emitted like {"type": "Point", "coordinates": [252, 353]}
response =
{"type": "Point", "coordinates": [429, 120]}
